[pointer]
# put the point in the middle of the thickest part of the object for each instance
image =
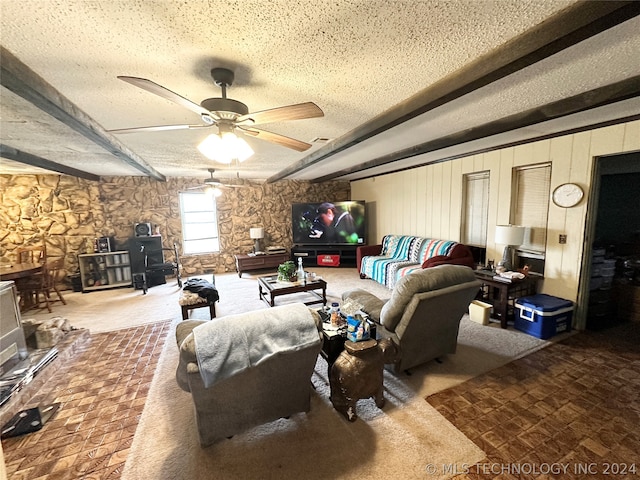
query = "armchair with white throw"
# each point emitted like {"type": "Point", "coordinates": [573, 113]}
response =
{"type": "Point", "coordinates": [248, 369]}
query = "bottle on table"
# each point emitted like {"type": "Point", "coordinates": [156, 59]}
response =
{"type": "Point", "coordinates": [301, 275]}
{"type": "Point", "coordinates": [335, 314]}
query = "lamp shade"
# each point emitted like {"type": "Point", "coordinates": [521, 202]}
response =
{"type": "Point", "coordinates": [215, 191]}
{"type": "Point", "coordinates": [225, 148]}
{"type": "Point", "coordinates": [256, 233]}
{"type": "Point", "coordinates": [509, 235]}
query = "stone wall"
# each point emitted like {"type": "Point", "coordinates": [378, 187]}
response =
{"type": "Point", "coordinates": [69, 213]}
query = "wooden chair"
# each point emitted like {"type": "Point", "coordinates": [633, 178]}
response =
{"type": "Point", "coordinates": [31, 288]}
{"type": "Point", "coordinates": [54, 272]}
{"type": "Point", "coordinates": [29, 285]}
{"type": "Point", "coordinates": [39, 287]}
{"type": "Point", "coordinates": [32, 254]}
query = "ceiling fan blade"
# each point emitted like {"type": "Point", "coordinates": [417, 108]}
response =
{"type": "Point", "coordinates": [157, 128]}
{"type": "Point", "coordinates": [298, 111]}
{"type": "Point", "coordinates": [165, 93]}
{"type": "Point", "coordinates": [288, 142]}
{"type": "Point", "coordinates": [219, 184]}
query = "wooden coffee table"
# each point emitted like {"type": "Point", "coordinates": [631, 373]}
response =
{"type": "Point", "coordinates": [269, 288]}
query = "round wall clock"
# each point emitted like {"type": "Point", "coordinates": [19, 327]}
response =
{"type": "Point", "coordinates": [567, 195]}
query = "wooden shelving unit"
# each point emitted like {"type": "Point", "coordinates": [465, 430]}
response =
{"type": "Point", "coordinates": [99, 271]}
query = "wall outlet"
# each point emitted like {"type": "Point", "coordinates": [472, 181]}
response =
{"type": "Point", "coordinates": [562, 239]}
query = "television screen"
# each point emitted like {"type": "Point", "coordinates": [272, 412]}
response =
{"type": "Point", "coordinates": [329, 223]}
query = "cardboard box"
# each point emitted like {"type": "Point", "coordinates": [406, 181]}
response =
{"type": "Point", "coordinates": [480, 312]}
{"type": "Point", "coordinates": [543, 316]}
{"type": "Point", "coordinates": [328, 260]}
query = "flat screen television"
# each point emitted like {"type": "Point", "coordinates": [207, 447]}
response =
{"type": "Point", "coordinates": [329, 223]}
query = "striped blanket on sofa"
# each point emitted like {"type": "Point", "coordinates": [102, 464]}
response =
{"type": "Point", "coordinates": [400, 255]}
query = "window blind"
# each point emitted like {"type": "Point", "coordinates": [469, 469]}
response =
{"type": "Point", "coordinates": [476, 209]}
{"type": "Point", "coordinates": [531, 197]}
{"type": "Point", "coordinates": [199, 223]}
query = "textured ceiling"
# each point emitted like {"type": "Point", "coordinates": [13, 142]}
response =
{"type": "Point", "coordinates": [355, 59]}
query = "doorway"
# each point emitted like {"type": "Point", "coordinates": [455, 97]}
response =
{"type": "Point", "coordinates": [611, 264]}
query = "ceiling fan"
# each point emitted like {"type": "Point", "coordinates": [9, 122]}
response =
{"type": "Point", "coordinates": [213, 185]}
{"type": "Point", "coordinates": [228, 114]}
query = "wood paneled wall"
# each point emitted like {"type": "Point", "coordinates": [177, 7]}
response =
{"type": "Point", "coordinates": [427, 201]}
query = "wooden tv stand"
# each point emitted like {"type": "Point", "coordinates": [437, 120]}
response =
{"type": "Point", "coordinates": [310, 253]}
{"type": "Point", "coordinates": [248, 263]}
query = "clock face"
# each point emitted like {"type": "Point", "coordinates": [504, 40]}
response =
{"type": "Point", "coordinates": [567, 195]}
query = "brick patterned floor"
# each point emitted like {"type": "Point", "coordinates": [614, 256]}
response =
{"type": "Point", "coordinates": [102, 392]}
{"type": "Point", "coordinates": [571, 403]}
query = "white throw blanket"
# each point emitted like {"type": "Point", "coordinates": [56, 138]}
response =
{"type": "Point", "coordinates": [228, 345]}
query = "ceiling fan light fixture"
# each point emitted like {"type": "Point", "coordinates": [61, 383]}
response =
{"type": "Point", "coordinates": [215, 191]}
{"type": "Point", "coordinates": [225, 148]}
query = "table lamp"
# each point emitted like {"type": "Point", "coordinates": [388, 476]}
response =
{"type": "Point", "coordinates": [509, 236]}
{"type": "Point", "coordinates": [256, 234]}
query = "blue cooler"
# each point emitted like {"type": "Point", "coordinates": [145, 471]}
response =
{"type": "Point", "coordinates": [543, 315]}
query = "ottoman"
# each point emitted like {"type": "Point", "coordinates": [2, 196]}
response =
{"type": "Point", "coordinates": [190, 300]}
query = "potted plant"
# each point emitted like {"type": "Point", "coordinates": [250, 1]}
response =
{"type": "Point", "coordinates": [287, 271]}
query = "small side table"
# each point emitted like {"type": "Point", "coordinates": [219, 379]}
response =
{"type": "Point", "coordinates": [357, 373]}
{"type": "Point", "coordinates": [333, 343]}
{"type": "Point", "coordinates": [503, 293]}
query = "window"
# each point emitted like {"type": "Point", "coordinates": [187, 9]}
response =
{"type": "Point", "coordinates": [476, 209]}
{"type": "Point", "coordinates": [199, 223]}
{"type": "Point", "coordinates": [532, 186]}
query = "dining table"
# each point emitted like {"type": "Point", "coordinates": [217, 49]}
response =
{"type": "Point", "coordinates": [19, 270]}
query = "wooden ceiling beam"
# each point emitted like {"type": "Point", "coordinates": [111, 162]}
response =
{"type": "Point", "coordinates": [11, 153]}
{"type": "Point", "coordinates": [562, 133]}
{"type": "Point", "coordinates": [599, 97]}
{"type": "Point", "coordinates": [24, 82]}
{"type": "Point", "coordinates": [569, 27]}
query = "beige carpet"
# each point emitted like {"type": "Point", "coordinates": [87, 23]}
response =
{"type": "Point", "coordinates": [399, 441]}
{"type": "Point", "coordinates": [114, 309]}
{"type": "Point", "coordinates": [108, 310]}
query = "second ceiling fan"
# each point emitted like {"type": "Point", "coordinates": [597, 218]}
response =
{"type": "Point", "coordinates": [213, 185]}
{"type": "Point", "coordinates": [228, 114]}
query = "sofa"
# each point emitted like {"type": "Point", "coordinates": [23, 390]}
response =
{"type": "Point", "coordinates": [423, 314]}
{"type": "Point", "coordinates": [248, 369]}
{"type": "Point", "coordinates": [399, 255]}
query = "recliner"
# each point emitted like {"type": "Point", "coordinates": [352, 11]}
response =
{"type": "Point", "coordinates": [424, 312]}
{"type": "Point", "coordinates": [248, 369]}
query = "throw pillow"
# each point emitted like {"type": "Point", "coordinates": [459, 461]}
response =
{"type": "Point", "coordinates": [437, 260]}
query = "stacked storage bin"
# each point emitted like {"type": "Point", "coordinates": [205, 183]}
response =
{"type": "Point", "coordinates": [601, 312]}
{"type": "Point", "coordinates": [597, 261]}
{"type": "Point", "coordinates": [607, 271]}
{"type": "Point", "coordinates": [626, 290]}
